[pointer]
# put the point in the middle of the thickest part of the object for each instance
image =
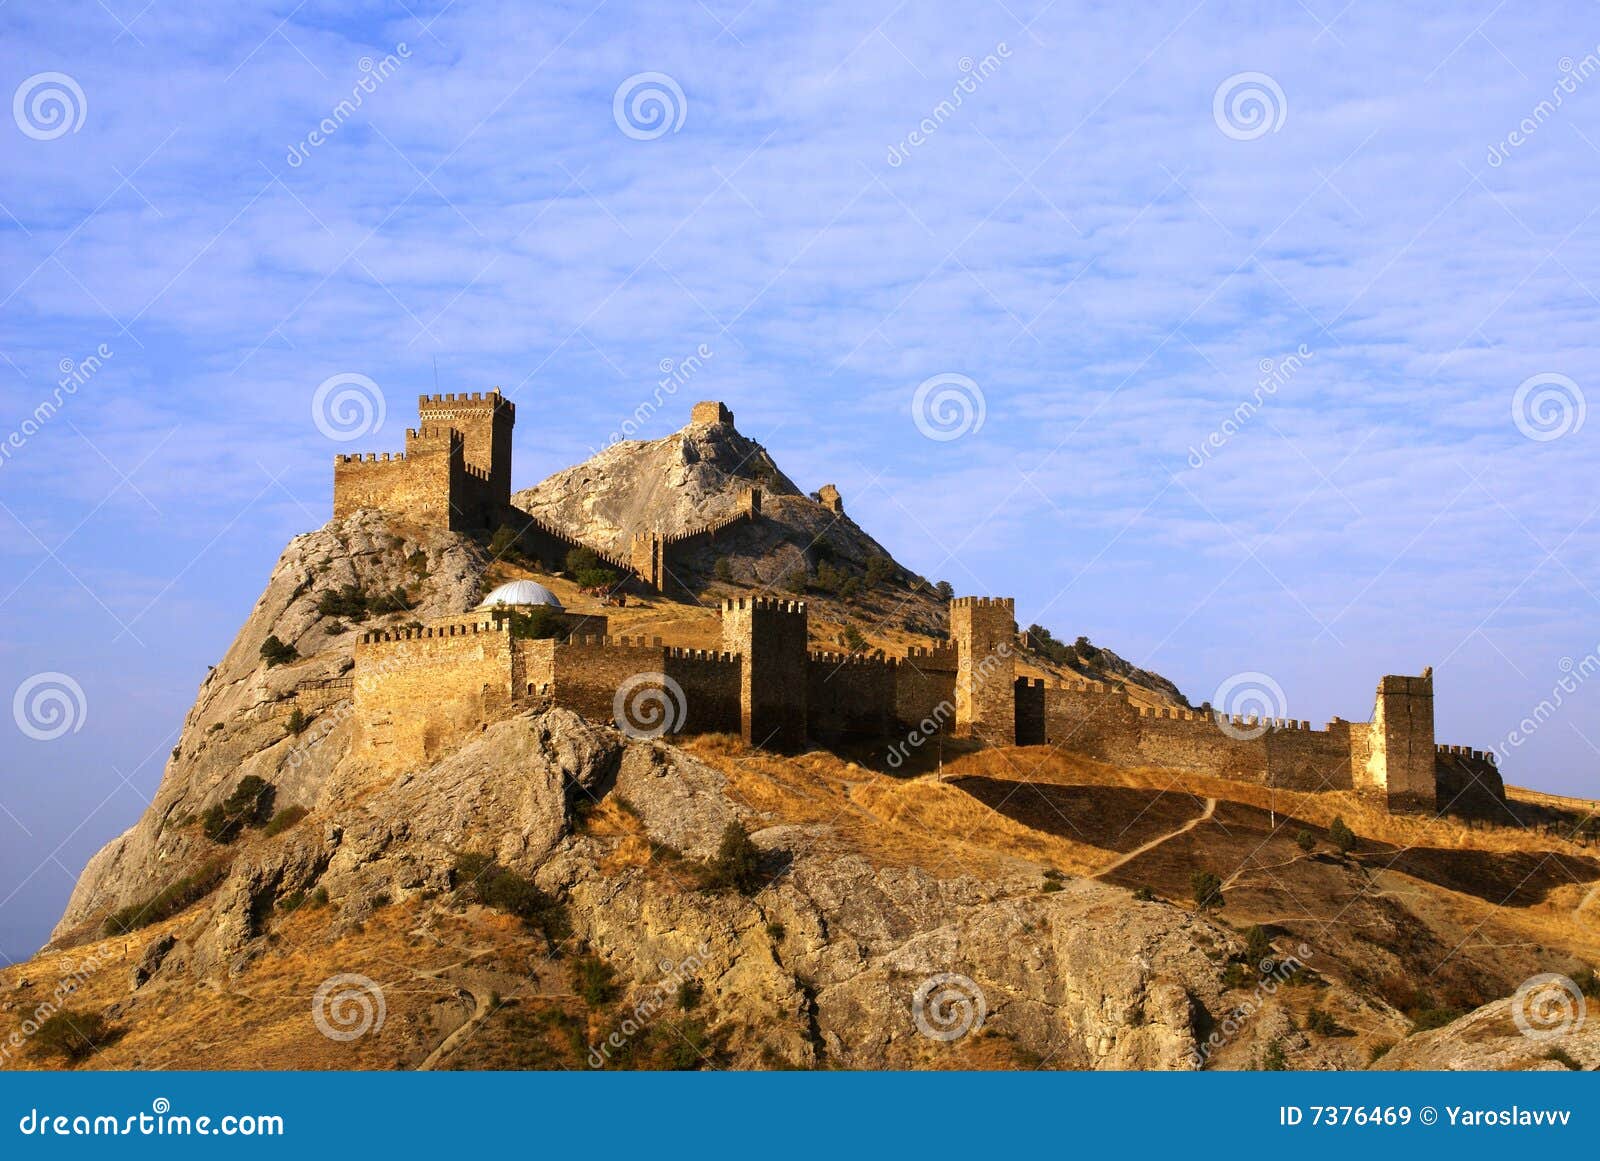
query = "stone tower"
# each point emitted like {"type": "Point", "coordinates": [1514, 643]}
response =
{"type": "Point", "coordinates": [1400, 749]}
{"type": "Point", "coordinates": [984, 630]}
{"type": "Point", "coordinates": [485, 420]}
{"type": "Point", "coordinates": [770, 638]}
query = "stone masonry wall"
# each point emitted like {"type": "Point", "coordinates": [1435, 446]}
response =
{"type": "Point", "coordinates": [418, 692]}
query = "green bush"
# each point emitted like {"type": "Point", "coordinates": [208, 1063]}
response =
{"type": "Point", "coordinates": [854, 642]}
{"type": "Point", "coordinates": [72, 1035]}
{"type": "Point", "coordinates": [737, 866]}
{"type": "Point", "coordinates": [1305, 840]}
{"type": "Point", "coordinates": [354, 604]}
{"type": "Point", "coordinates": [1144, 895]}
{"type": "Point", "coordinates": [1378, 1050]}
{"type": "Point", "coordinates": [723, 569]}
{"type": "Point", "coordinates": [250, 804]}
{"type": "Point", "coordinates": [184, 892]}
{"type": "Point", "coordinates": [1274, 1059]}
{"type": "Point", "coordinates": [297, 721]}
{"type": "Point", "coordinates": [688, 1047]}
{"type": "Point", "coordinates": [1323, 1024]}
{"type": "Point", "coordinates": [479, 877]}
{"type": "Point", "coordinates": [1045, 644]}
{"type": "Point", "coordinates": [1257, 946]}
{"type": "Point", "coordinates": [283, 820]}
{"type": "Point", "coordinates": [538, 623]}
{"type": "Point", "coordinates": [879, 569]}
{"type": "Point", "coordinates": [797, 581]}
{"type": "Point", "coordinates": [1341, 836]}
{"type": "Point", "coordinates": [275, 652]}
{"type": "Point", "coordinates": [594, 980]}
{"type": "Point", "coordinates": [1207, 889]}
{"type": "Point", "coordinates": [946, 591]}
{"type": "Point", "coordinates": [690, 993]}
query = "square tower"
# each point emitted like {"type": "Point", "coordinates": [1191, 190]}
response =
{"type": "Point", "coordinates": [485, 420]}
{"type": "Point", "coordinates": [1401, 754]}
{"type": "Point", "coordinates": [984, 630]}
{"type": "Point", "coordinates": [770, 637]}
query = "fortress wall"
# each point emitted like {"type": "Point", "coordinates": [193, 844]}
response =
{"type": "Point", "coordinates": [710, 683]}
{"type": "Point", "coordinates": [533, 668]}
{"type": "Point", "coordinates": [1189, 740]}
{"type": "Point", "coordinates": [850, 696]}
{"type": "Point", "coordinates": [417, 485]}
{"type": "Point", "coordinates": [1091, 718]}
{"type": "Point", "coordinates": [1468, 782]}
{"type": "Point", "coordinates": [588, 672]}
{"type": "Point", "coordinates": [923, 692]}
{"type": "Point", "coordinates": [419, 691]}
{"type": "Point", "coordinates": [1306, 759]}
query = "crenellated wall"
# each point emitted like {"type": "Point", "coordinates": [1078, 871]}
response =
{"type": "Point", "coordinates": [418, 691]}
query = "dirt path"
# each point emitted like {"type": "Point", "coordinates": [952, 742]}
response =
{"type": "Point", "coordinates": [482, 1005]}
{"type": "Point", "coordinates": [1124, 860]}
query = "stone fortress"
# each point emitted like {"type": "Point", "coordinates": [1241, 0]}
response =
{"type": "Point", "coordinates": [418, 691]}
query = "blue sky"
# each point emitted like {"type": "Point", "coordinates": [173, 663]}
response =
{"type": "Point", "coordinates": [1097, 236]}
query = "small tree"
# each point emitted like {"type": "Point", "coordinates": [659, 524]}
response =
{"type": "Point", "coordinates": [879, 569]}
{"type": "Point", "coordinates": [723, 569]}
{"type": "Point", "coordinates": [1305, 840]}
{"type": "Point", "coordinates": [297, 721]}
{"type": "Point", "coordinates": [853, 640]}
{"type": "Point", "coordinates": [275, 652]}
{"type": "Point", "coordinates": [946, 591]}
{"type": "Point", "coordinates": [250, 804]}
{"type": "Point", "coordinates": [1257, 946]}
{"type": "Point", "coordinates": [738, 862]}
{"type": "Point", "coordinates": [72, 1035]}
{"type": "Point", "coordinates": [1207, 890]}
{"type": "Point", "coordinates": [1341, 835]}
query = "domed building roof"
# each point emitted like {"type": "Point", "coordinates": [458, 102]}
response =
{"type": "Point", "coordinates": [522, 592]}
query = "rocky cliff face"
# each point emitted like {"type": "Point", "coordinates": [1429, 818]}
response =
{"type": "Point", "coordinates": [821, 965]}
{"type": "Point", "coordinates": [232, 730]}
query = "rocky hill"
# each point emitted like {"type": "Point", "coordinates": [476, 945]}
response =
{"type": "Point", "coordinates": [553, 892]}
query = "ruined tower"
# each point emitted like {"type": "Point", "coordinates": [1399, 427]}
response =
{"type": "Point", "coordinates": [984, 630]}
{"type": "Point", "coordinates": [1400, 747]}
{"type": "Point", "coordinates": [770, 638]}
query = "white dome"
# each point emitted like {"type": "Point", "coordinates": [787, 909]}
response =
{"type": "Point", "coordinates": [522, 592]}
